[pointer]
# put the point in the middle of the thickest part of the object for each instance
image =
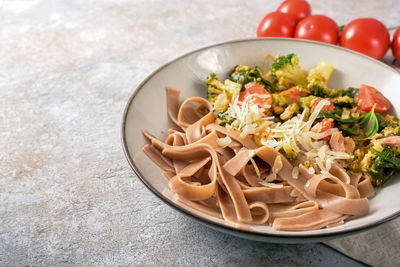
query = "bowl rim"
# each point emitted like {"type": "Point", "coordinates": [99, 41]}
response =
{"type": "Point", "coordinates": [214, 224]}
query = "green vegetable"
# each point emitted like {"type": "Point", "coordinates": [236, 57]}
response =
{"type": "Point", "coordinates": [305, 102]}
{"type": "Point", "coordinates": [387, 155]}
{"type": "Point", "coordinates": [320, 74]}
{"type": "Point", "coordinates": [344, 101]}
{"type": "Point", "coordinates": [327, 114]}
{"type": "Point", "coordinates": [348, 129]}
{"type": "Point", "coordinates": [383, 166]}
{"type": "Point", "coordinates": [244, 74]}
{"type": "Point", "coordinates": [281, 100]}
{"type": "Point", "coordinates": [290, 110]}
{"type": "Point", "coordinates": [381, 120]}
{"type": "Point", "coordinates": [214, 87]}
{"type": "Point", "coordinates": [220, 94]}
{"type": "Point", "coordinates": [317, 80]}
{"type": "Point", "coordinates": [369, 123]}
{"type": "Point", "coordinates": [323, 92]}
{"type": "Point", "coordinates": [351, 92]}
{"type": "Point", "coordinates": [380, 171]}
{"type": "Point", "coordinates": [223, 120]}
{"type": "Point", "coordinates": [286, 72]}
{"type": "Point", "coordinates": [240, 74]}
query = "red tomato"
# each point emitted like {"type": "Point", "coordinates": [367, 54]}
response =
{"type": "Point", "coordinates": [396, 44]}
{"type": "Point", "coordinates": [256, 94]}
{"type": "Point", "coordinates": [296, 9]}
{"type": "Point", "coordinates": [366, 35]}
{"type": "Point", "coordinates": [330, 107]}
{"type": "Point", "coordinates": [276, 24]}
{"type": "Point", "coordinates": [326, 124]}
{"type": "Point", "coordinates": [368, 96]}
{"type": "Point", "coordinates": [318, 28]}
{"type": "Point", "coordinates": [294, 93]}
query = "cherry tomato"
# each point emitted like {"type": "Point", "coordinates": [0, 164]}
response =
{"type": "Point", "coordinates": [318, 28]}
{"type": "Point", "coordinates": [255, 93]}
{"type": "Point", "coordinates": [366, 35]}
{"type": "Point", "coordinates": [295, 93]}
{"type": "Point", "coordinates": [296, 9]}
{"type": "Point", "coordinates": [276, 24]}
{"type": "Point", "coordinates": [396, 44]}
{"type": "Point", "coordinates": [368, 96]}
{"type": "Point", "coordinates": [326, 124]}
{"type": "Point", "coordinates": [330, 107]}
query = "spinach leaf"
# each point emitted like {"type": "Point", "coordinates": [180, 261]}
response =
{"type": "Point", "coordinates": [369, 122]}
{"type": "Point", "coordinates": [351, 92]}
{"type": "Point", "coordinates": [326, 114]}
{"type": "Point", "coordinates": [382, 122]}
{"type": "Point", "coordinates": [244, 74]}
{"type": "Point", "coordinates": [354, 130]}
{"type": "Point", "coordinates": [388, 156]}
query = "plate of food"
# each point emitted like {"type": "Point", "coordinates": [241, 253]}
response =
{"type": "Point", "coordinates": [279, 140]}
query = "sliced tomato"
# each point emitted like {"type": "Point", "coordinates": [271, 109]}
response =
{"type": "Point", "coordinates": [368, 96]}
{"type": "Point", "coordinates": [326, 124]}
{"type": "Point", "coordinates": [330, 107]}
{"type": "Point", "coordinates": [255, 93]}
{"type": "Point", "coordinates": [295, 93]}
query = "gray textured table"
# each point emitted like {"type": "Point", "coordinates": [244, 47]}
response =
{"type": "Point", "coordinates": [67, 68]}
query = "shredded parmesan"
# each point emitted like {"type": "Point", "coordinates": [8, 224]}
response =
{"type": "Point", "coordinates": [295, 172]}
{"type": "Point", "coordinates": [246, 117]}
{"type": "Point", "coordinates": [277, 165]}
{"type": "Point", "coordinates": [270, 177]}
{"type": "Point", "coordinates": [293, 135]}
{"type": "Point", "coordinates": [224, 142]}
{"type": "Point", "coordinates": [272, 185]}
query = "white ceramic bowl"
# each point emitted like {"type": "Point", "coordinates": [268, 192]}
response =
{"type": "Point", "coordinates": [147, 108]}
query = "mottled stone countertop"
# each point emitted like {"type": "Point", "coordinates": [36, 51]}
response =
{"type": "Point", "coordinates": [67, 69]}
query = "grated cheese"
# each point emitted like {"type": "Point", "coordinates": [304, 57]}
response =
{"type": "Point", "coordinates": [295, 172]}
{"type": "Point", "coordinates": [272, 185]}
{"type": "Point", "coordinates": [293, 135]}
{"type": "Point", "coordinates": [277, 165]}
{"type": "Point", "coordinates": [224, 142]}
{"type": "Point", "coordinates": [270, 177]}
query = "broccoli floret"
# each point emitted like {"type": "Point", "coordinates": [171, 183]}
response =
{"type": "Point", "coordinates": [306, 101]}
{"type": "Point", "coordinates": [291, 110]}
{"type": "Point", "coordinates": [320, 74]}
{"type": "Point", "coordinates": [281, 100]}
{"type": "Point", "coordinates": [244, 74]}
{"type": "Point", "coordinates": [214, 87]}
{"type": "Point", "coordinates": [323, 92]}
{"type": "Point", "coordinates": [317, 80]}
{"type": "Point", "coordinates": [220, 94]}
{"type": "Point", "coordinates": [240, 74]}
{"type": "Point", "coordinates": [344, 101]}
{"type": "Point", "coordinates": [286, 72]}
